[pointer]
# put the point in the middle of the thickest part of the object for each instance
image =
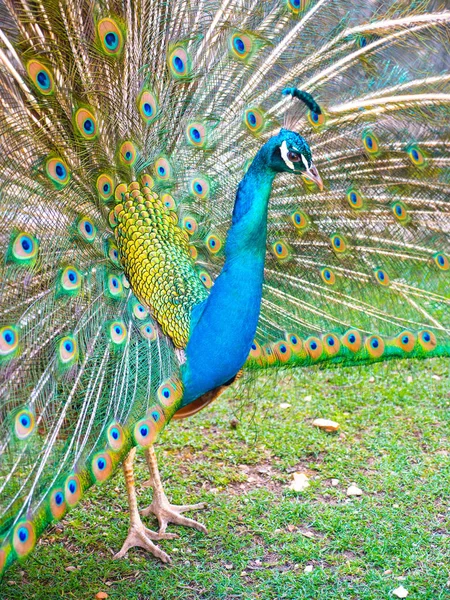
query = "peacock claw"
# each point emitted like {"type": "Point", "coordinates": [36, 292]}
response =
{"type": "Point", "coordinates": [139, 536]}
{"type": "Point", "coordinates": [167, 513]}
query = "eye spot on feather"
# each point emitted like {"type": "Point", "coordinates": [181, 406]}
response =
{"type": "Point", "coordinates": [375, 346]}
{"type": "Point", "coordinates": [282, 351]}
{"type": "Point", "coordinates": [280, 250]}
{"type": "Point", "coordinates": [315, 119]}
{"type": "Point", "coordinates": [41, 76]}
{"type": "Point", "coordinates": [196, 134]}
{"type": "Point", "coordinates": [441, 261]}
{"type": "Point", "coordinates": [254, 120]}
{"type": "Point", "coordinates": [205, 279]}
{"type": "Point", "coordinates": [406, 341]}
{"type": "Point", "coordinates": [241, 45]}
{"type": "Point", "coordinates": [427, 340]}
{"type": "Point", "coordinates": [331, 344]}
{"type": "Point", "coordinates": [145, 432]}
{"type": "Point", "coordinates": [67, 350]}
{"type": "Point", "coordinates": [139, 310]}
{"type": "Point", "coordinates": [114, 287]}
{"type": "Point", "coordinates": [117, 333]}
{"type": "Point", "coordinates": [9, 341]}
{"type": "Point", "coordinates": [70, 281]}
{"type": "Point", "coordinates": [148, 332]}
{"type": "Point", "coordinates": [300, 220]}
{"type": "Point", "coordinates": [352, 340]}
{"type": "Point", "coordinates": [24, 538]}
{"type": "Point", "coordinates": [111, 37]}
{"type": "Point", "coordinates": [328, 276]}
{"type": "Point", "coordinates": [297, 6]}
{"type": "Point", "coordinates": [314, 347]}
{"type": "Point", "coordinates": [105, 186]}
{"type": "Point", "coordinates": [86, 124]}
{"type": "Point", "coordinates": [416, 156]}
{"type": "Point", "coordinates": [179, 62]}
{"type": "Point", "coordinates": [382, 277]}
{"type": "Point", "coordinates": [127, 153]}
{"type": "Point", "coordinates": [255, 350]}
{"type": "Point", "coordinates": [148, 106]}
{"type": "Point", "coordinates": [355, 199]}
{"type": "Point", "coordinates": [170, 392]}
{"type": "Point", "coordinates": [213, 243]}
{"type": "Point", "coordinates": [86, 229]}
{"type": "Point", "coordinates": [339, 243]}
{"type": "Point", "coordinates": [73, 490]}
{"type": "Point", "coordinates": [24, 424]}
{"type": "Point", "coordinates": [370, 142]}
{"type": "Point", "coordinates": [58, 505]}
{"type": "Point", "coordinates": [200, 187]}
{"type": "Point", "coordinates": [23, 249]}
{"type": "Point", "coordinates": [400, 212]}
{"type": "Point", "coordinates": [116, 437]}
{"type": "Point", "coordinates": [102, 466]}
{"type": "Point", "coordinates": [163, 169]}
{"type": "Point", "coordinates": [168, 201]}
{"type": "Point", "coordinates": [58, 172]}
{"type": "Point", "coordinates": [295, 342]}
{"type": "Point", "coordinates": [190, 225]}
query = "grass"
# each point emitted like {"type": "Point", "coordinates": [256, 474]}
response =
{"type": "Point", "coordinates": [392, 443]}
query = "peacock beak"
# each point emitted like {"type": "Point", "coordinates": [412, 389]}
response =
{"type": "Point", "coordinates": [313, 174]}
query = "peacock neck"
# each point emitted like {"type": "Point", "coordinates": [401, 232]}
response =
{"type": "Point", "coordinates": [224, 325]}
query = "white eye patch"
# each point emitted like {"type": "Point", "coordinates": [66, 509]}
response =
{"type": "Point", "coordinates": [284, 155]}
{"type": "Point", "coordinates": [305, 162]}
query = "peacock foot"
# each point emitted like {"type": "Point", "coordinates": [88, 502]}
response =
{"type": "Point", "coordinates": [167, 513]}
{"type": "Point", "coordinates": [140, 537]}
{"type": "Point", "coordinates": [163, 510]}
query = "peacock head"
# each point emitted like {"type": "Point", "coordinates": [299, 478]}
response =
{"type": "Point", "coordinates": [290, 153]}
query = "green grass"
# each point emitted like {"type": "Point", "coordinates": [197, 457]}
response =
{"type": "Point", "coordinates": [392, 443]}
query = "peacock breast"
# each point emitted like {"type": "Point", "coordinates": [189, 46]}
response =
{"type": "Point", "coordinates": [155, 256]}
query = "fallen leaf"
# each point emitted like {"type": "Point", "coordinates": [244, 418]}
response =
{"type": "Point", "coordinates": [400, 592]}
{"type": "Point", "coordinates": [300, 482]}
{"type": "Point", "coordinates": [101, 595]}
{"type": "Point", "coordinates": [228, 567]}
{"type": "Point", "coordinates": [308, 534]}
{"type": "Point", "coordinates": [387, 572]}
{"type": "Point", "coordinates": [70, 569]}
{"type": "Point", "coordinates": [436, 377]}
{"type": "Point", "coordinates": [354, 490]}
{"type": "Point", "coordinates": [308, 569]}
{"type": "Point", "coordinates": [284, 405]}
{"type": "Point", "coordinates": [291, 527]}
{"type": "Point", "coordinates": [334, 482]}
{"type": "Point", "coordinates": [326, 424]}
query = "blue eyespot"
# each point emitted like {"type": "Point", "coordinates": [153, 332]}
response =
{"type": "Point", "coordinates": [128, 155]}
{"type": "Point", "coordinates": [195, 134]}
{"type": "Point", "coordinates": [352, 338]}
{"type": "Point", "coordinates": [239, 45]}
{"type": "Point", "coordinates": [166, 393]}
{"type": "Point", "coordinates": [143, 431]}
{"type": "Point", "coordinates": [353, 198]}
{"type": "Point", "coordinates": [88, 126]}
{"type": "Point", "coordinates": [88, 227]}
{"type": "Point", "coordinates": [253, 346]}
{"type": "Point", "coordinates": [363, 42]}
{"type": "Point", "coordinates": [296, 3]}
{"type": "Point", "coordinates": [8, 337]}
{"type": "Point", "coordinates": [101, 463]}
{"type": "Point", "coordinates": [115, 254]}
{"type": "Point", "coordinates": [374, 343]}
{"type": "Point", "coordinates": [294, 340]}
{"type": "Point", "coordinates": [118, 329]}
{"type": "Point", "coordinates": [111, 40]}
{"type": "Point", "coordinates": [72, 276]}
{"type": "Point", "coordinates": [279, 248]}
{"type": "Point", "coordinates": [148, 109]}
{"type": "Point", "coordinates": [155, 416]}
{"type": "Point", "coordinates": [298, 218]}
{"type": "Point", "coordinates": [115, 434]}
{"type": "Point", "coordinates": [27, 244]}
{"type": "Point", "coordinates": [25, 420]}
{"type": "Point", "coordinates": [251, 119]}
{"type": "Point", "coordinates": [314, 115]}
{"type": "Point", "coordinates": [369, 141]}
{"type": "Point", "coordinates": [337, 242]}
{"type": "Point", "coordinates": [398, 210]}
{"type": "Point", "coordinates": [106, 188]}
{"type": "Point", "coordinates": [283, 349]}
{"type": "Point", "coordinates": [415, 155]}
{"type": "Point", "coordinates": [327, 274]}
{"type": "Point", "coordinates": [441, 260]}
{"type": "Point", "coordinates": [114, 282]}
{"type": "Point", "coordinates": [313, 346]}
{"type": "Point", "coordinates": [198, 188]}
{"type": "Point", "coordinates": [381, 275]}
{"type": "Point", "coordinates": [178, 64]}
{"type": "Point", "coordinates": [59, 499]}
{"type": "Point", "coordinates": [60, 171]}
{"type": "Point", "coordinates": [161, 171]}
{"type": "Point", "coordinates": [23, 534]}
{"type": "Point", "coordinates": [68, 346]}
{"type": "Point", "coordinates": [330, 341]}
{"type": "Point", "coordinates": [405, 339]}
{"type": "Point", "coordinates": [43, 80]}
{"type": "Point", "coordinates": [72, 487]}
{"type": "Point", "coordinates": [426, 336]}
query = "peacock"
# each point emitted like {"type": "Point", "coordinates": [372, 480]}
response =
{"type": "Point", "coordinates": [193, 193]}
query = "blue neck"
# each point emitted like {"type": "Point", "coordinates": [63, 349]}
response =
{"type": "Point", "coordinates": [224, 325]}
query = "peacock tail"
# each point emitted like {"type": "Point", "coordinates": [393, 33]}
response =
{"type": "Point", "coordinates": [125, 129]}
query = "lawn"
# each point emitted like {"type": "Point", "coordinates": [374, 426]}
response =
{"type": "Point", "coordinates": [239, 455]}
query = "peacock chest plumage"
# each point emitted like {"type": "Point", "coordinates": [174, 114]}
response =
{"type": "Point", "coordinates": [191, 190]}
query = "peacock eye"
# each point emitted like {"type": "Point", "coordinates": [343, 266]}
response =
{"type": "Point", "coordinates": [293, 157]}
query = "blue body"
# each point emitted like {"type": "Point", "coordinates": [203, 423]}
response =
{"type": "Point", "coordinates": [224, 325]}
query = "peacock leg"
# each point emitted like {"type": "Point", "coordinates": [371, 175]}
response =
{"type": "Point", "coordinates": [138, 534]}
{"type": "Point", "coordinates": [160, 507]}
